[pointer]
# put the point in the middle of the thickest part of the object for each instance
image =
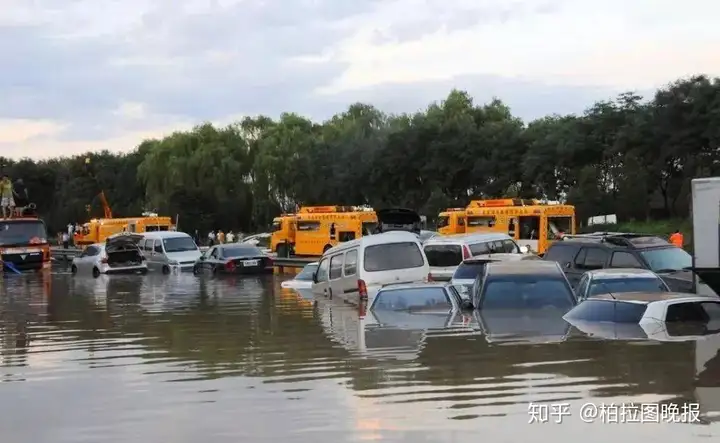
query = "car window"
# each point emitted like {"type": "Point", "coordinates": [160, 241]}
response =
{"type": "Point", "coordinates": [478, 249]}
{"type": "Point", "coordinates": [392, 256]}
{"type": "Point", "coordinates": [443, 255]}
{"type": "Point", "coordinates": [583, 286]}
{"type": "Point", "coordinates": [431, 298]}
{"type": "Point", "coordinates": [702, 312]}
{"type": "Point", "coordinates": [527, 292]}
{"type": "Point", "coordinates": [619, 285]}
{"type": "Point", "coordinates": [322, 272]}
{"type": "Point", "coordinates": [92, 251]}
{"type": "Point", "coordinates": [667, 259]}
{"type": "Point", "coordinates": [336, 265]}
{"type": "Point", "coordinates": [561, 253]}
{"type": "Point", "coordinates": [608, 311]}
{"type": "Point", "coordinates": [469, 271]}
{"type": "Point", "coordinates": [622, 259]}
{"type": "Point", "coordinates": [510, 247]}
{"type": "Point", "coordinates": [593, 258]}
{"type": "Point", "coordinates": [158, 246]}
{"type": "Point", "coordinates": [351, 263]}
{"type": "Point", "coordinates": [307, 273]}
{"type": "Point", "coordinates": [215, 253]}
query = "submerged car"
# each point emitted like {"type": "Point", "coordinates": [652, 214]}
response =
{"type": "Point", "coordinates": [235, 258]}
{"type": "Point", "coordinates": [304, 279]}
{"type": "Point", "coordinates": [523, 285]}
{"type": "Point", "coordinates": [617, 281]}
{"type": "Point", "coordinates": [118, 255]}
{"type": "Point", "coordinates": [469, 270]}
{"type": "Point", "coordinates": [439, 298]}
{"type": "Point", "coordinates": [646, 309]}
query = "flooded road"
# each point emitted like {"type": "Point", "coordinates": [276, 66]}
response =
{"type": "Point", "coordinates": [180, 359]}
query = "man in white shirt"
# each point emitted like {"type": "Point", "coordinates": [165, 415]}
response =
{"type": "Point", "coordinates": [211, 238]}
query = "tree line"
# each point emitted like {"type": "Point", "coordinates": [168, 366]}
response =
{"type": "Point", "coordinates": [629, 156]}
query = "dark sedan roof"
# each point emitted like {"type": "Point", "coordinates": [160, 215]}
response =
{"type": "Point", "coordinates": [523, 267]}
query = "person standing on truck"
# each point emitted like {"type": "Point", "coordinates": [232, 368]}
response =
{"type": "Point", "coordinates": [7, 196]}
{"type": "Point", "coordinates": [677, 239]}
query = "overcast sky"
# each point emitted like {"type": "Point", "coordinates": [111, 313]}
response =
{"type": "Point", "coordinates": [80, 75]}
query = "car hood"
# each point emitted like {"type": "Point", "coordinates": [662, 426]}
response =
{"type": "Point", "coordinates": [184, 255]}
{"type": "Point", "coordinates": [680, 281]}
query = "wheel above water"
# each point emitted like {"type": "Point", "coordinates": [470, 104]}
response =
{"type": "Point", "coordinates": [166, 269]}
{"type": "Point", "coordinates": [96, 272]}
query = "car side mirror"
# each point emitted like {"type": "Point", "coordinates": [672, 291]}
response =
{"type": "Point", "coordinates": [568, 264]}
{"type": "Point", "coordinates": [202, 257]}
{"type": "Point", "coordinates": [466, 305]}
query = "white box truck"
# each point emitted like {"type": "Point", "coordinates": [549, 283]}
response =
{"type": "Point", "coordinates": [706, 234]}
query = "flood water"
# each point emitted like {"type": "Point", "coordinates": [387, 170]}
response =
{"type": "Point", "coordinates": [182, 359]}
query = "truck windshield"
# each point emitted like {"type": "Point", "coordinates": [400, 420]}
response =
{"type": "Point", "coordinates": [22, 232]}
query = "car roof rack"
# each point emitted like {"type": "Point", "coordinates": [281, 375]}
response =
{"type": "Point", "coordinates": [615, 238]}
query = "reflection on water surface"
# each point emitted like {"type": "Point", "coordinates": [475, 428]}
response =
{"type": "Point", "coordinates": [181, 359]}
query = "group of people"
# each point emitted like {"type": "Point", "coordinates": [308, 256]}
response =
{"type": "Point", "coordinates": [218, 238]}
{"type": "Point", "coordinates": [13, 197]}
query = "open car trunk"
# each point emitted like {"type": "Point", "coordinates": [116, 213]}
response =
{"type": "Point", "coordinates": [398, 219]}
{"type": "Point", "coordinates": [122, 251]}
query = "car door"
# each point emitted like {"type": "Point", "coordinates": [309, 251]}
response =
{"type": "Point", "coordinates": [91, 255]}
{"type": "Point", "coordinates": [335, 281]}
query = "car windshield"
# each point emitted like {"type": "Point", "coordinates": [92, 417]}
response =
{"type": "Point", "coordinates": [307, 273]}
{"type": "Point", "coordinates": [393, 256]}
{"type": "Point", "coordinates": [179, 244]}
{"type": "Point", "coordinates": [245, 251]}
{"type": "Point", "coordinates": [469, 271]}
{"type": "Point", "coordinates": [276, 226]}
{"type": "Point", "coordinates": [443, 255]}
{"type": "Point", "coordinates": [667, 259]}
{"type": "Point", "coordinates": [526, 292]}
{"type": "Point", "coordinates": [620, 285]}
{"type": "Point", "coordinates": [22, 233]}
{"type": "Point", "coordinates": [429, 298]}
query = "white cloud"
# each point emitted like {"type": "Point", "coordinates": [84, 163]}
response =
{"type": "Point", "coordinates": [104, 73]}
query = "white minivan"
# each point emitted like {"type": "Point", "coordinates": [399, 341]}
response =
{"type": "Point", "coordinates": [357, 269]}
{"type": "Point", "coordinates": [166, 251]}
{"type": "Point", "coordinates": [446, 252]}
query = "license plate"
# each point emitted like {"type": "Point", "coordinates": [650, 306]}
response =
{"type": "Point", "coordinates": [250, 263]}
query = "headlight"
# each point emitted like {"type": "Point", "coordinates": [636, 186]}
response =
{"type": "Point", "coordinates": [173, 263]}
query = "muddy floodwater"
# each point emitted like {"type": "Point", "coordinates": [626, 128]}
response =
{"type": "Point", "coordinates": [181, 359]}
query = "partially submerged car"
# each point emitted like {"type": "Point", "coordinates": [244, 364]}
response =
{"type": "Point", "coordinates": [304, 279]}
{"type": "Point", "coordinates": [619, 280]}
{"type": "Point", "coordinates": [119, 254]}
{"type": "Point", "coordinates": [523, 285]}
{"type": "Point", "coordinates": [417, 297]}
{"type": "Point", "coordinates": [470, 269]}
{"type": "Point", "coordinates": [234, 258]}
{"type": "Point", "coordinates": [646, 309]}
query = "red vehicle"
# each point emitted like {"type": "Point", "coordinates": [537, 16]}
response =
{"type": "Point", "coordinates": [24, 243]}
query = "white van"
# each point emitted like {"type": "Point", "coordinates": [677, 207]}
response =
{"type": "Point", "coordinates": [445, 253]}
{"type": "Point", "coordinates": [168, 250]}
{"type": "Point", "coordinates": [357, 269]}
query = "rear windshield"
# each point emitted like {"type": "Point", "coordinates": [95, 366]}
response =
{"type": "Point", "coordinates": [443, 255]}
{"type": "Point", "coordinates": [469, 271]}
{"type": "Point", "coordinates": [619, 285]}
{"type": "Point", "coordinates": [179, 244]}
{"type": "Point", "coordinates": [392, 256]}
{"type": "Point", "coordinates": [411, 299]}
{"type": "Point", "coordinates": [531, 292]}
{"type": "Point", "coordinates": [608, 311]}
{"type": "Point", "coordinates": [245, 251]}
{"type": "Point", "coordinates": [22, 233]}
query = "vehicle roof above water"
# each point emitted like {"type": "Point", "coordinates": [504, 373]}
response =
{"type": "Point", "coordinates": [618, 273]}
{"type": "Point", "coordinates": [165, 234]}
{"type": "Point", "coordinates": [502, 256]}
{"type": "Point", "coordinates": [649, 297]}
{"type": "Point", "coordinates": [466, 238]}
{"type": "Point", "coordinates": [375, 239]}
{"type": "Point", "coordinates": [392, 287]}
{"type": "Point", "coordinates": [521, 268]}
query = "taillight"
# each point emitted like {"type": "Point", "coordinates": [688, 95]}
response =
{"type": "Point", "coordinates": [362, 289]}
{"type": "Point", "coordinates": [466, 252]}
{"type": "Point", "coordinates": [230, 266]}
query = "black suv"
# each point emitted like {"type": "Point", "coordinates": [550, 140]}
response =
{"type": "Point", "coordinates": [578, 254]}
